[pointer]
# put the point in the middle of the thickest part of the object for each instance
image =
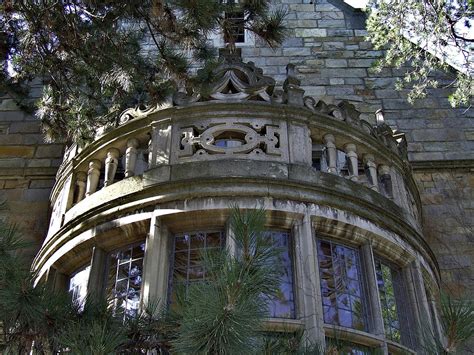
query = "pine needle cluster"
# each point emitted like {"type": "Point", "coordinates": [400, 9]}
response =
{"type": "Point", "coordinates": [98, 58]}
{"type": "Point", "coordinates": [224, 314]}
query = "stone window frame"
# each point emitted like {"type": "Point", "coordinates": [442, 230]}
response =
{"type": "Point", "coordinates": [226, 237]}
{"type": "Point", "coordinates": [374, 335]}
{"type": "Point", "coordinates": [217, 39]}
{"type": "Point", "coordinates": [400, 297]}
{"type": "Point", "coordinates": [365, 312]}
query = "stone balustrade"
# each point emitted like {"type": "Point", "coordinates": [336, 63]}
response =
{"type": "Point", "coordinates": [282, 128]}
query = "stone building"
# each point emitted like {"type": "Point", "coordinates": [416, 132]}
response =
{"type": "Point", "coordinates": [369, 198]}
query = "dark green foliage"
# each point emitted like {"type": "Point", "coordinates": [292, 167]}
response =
{"type": "Point", "coordinates": [100, 57]}
{"type": "Point", "coordinates": [27, 313]}
{"type": "Point", "coordinates": [457, 325]}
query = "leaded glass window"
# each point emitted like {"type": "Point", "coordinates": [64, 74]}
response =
{"type": "Point", "coordinates": [187, 258]}
{"type": "Point", "coordinates": [125, 278]}
{"type": "Point", "coordinates": [283, 305]}
{"type": "Point", "coordinates": [341, 285]}
{"type": "Point", "coordinates": [386, 277]}
{"type": "Point", "coordinates": [78, 286]}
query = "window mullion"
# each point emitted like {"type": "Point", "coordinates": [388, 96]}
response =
{"type": "Point", "coordinates": [374, 307]}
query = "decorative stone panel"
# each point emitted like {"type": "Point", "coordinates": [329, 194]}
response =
{"type": "Point", "coordinates": [240, 138]}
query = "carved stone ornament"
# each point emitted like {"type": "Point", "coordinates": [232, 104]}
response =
{"type": "Point", "coordinates": [233, 80]}
{"type": "Point", "coordinates": [141, 111]}
{"type": "Point", "coordinates": [230, 138]}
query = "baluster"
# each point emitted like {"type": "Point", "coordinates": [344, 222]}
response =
{"type": "Point", "coordinates": [386, 179]}
{"type": "Point", "coordinates": [111, 163]}
{"type": "Point", "coordinates": [93, 175]}
{"type": "Point", "coordinates": [370, 163]}
{"type": "Point", "coordinates": [330, 143]}
{"type": "Point", "coordinates": [81, 178]}
{"type": "Point", "coordinates": [131, 157]}
{"type": "Point", "coordinates": [150, 154]}
{"type": "Point", "coordinates": [351, 153]}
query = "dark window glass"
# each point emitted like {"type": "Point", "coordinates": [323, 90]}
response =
{"type": "Point", "coordinates": [341, 286]}
{"type": "Point", "coordinates": [319, 159]}
{"type": "Point", "coordinates": [283, 304]}
{"type": "Point", "coordinates": [187, 258]}
{"type": "Point", "coordinates": [125, 278]}
{"type": "Point", "coordinates": [237, 31]}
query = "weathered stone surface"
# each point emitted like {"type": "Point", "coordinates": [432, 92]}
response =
{"type": "Point", "coordinates": [16, 151]}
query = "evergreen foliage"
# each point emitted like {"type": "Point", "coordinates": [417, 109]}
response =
{"type": "Point", "coordinates": [426, 36]}
{"type": "Point", "coordinates": [224, 314]}
{"type": "Point", "coordinates": [100, 57]}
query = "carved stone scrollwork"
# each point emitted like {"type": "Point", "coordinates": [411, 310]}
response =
{"type": "Point", "coordinates": [230, 138]}
{"type": "Point", "coordinates": [233, 80]}
{"type": "Point", "coordinates": [141, 111]}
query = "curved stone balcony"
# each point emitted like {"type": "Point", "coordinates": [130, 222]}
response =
{"type": "Point", "coordinates": [239, 141]}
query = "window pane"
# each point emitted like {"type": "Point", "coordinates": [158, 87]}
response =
{"type": "Point", "coordinates": [283, 305]}
{"type": "Point", "coordinates": [78, 286]}
{"type": "Point", "coordinates": [188, 252]}
{"type": "Point", "coordinates": [341, 287]}
{"type": "Point", "coordinates": [385, 282]}
{"type": "Point", "coordinates": [125, 279]}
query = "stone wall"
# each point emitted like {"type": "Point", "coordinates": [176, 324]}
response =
{"type": "Point", "coordinates": [448, 217]}
{"type": "Point", "coordinates": [27, 169]}
{"type": "Point", "coordinates": [326, 41]}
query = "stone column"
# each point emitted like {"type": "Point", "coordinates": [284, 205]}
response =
{"type": "Point", "coordinates": [111, 163]}
{"type": "Point", "coordinates": [96, 284]}
{"type": "Point", "coordinates": [299, 142]}
{"type": "Point", "coordinates": [369, 160]}
{"type": "Point", "coordinates": [131, 157]}
{"type": "Point", "coordinates": [229, 238]}
{"type": "Point", "coordinates": [351, 152]}
{"type": "Point", "coordinates": [160, 147]}
{"type": "Point", "coordinates": [56, 280]}
{"type": "Point", "coordinates": [81, 178]}
{"type": "Point", "coordinates": [156, 263]}
{"type": "Point", "coordinates": [386, 179]}
{"type": "Point", "coordinates": [307, 281]}
{"type": "Point", "coordinates": [330, 143]}
{"type": "Point", "coordinates": [150, 154]}
{"type": "Point", "coordinates": [417, 307]}
{"type": "Point", "coordinates": [373, 301]}
{"type": "Point", "coordinates": [93, 176]}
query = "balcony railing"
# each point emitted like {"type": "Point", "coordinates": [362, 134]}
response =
{"type": "Point", "coordinates": [241, 117]}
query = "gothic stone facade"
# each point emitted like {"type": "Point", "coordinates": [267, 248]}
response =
{"type": "Point", "coordinates": [276, 149]}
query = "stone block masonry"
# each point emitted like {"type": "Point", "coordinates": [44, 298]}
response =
{"type": "Point", "coordinates": [28, 168]}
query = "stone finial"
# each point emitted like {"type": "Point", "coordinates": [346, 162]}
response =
{"type": "Point", "coordinates": [291, 87]}
{"type": "Point", "coordinates": [230, 55]}
{"type": "Point", "coordinates": [379, 118]}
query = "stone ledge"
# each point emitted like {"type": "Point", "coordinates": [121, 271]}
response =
{"type": "Point", "coordinates": [442, 164]}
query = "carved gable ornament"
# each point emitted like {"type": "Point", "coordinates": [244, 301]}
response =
{"type": "Point", "coordinates": [233, 80]}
